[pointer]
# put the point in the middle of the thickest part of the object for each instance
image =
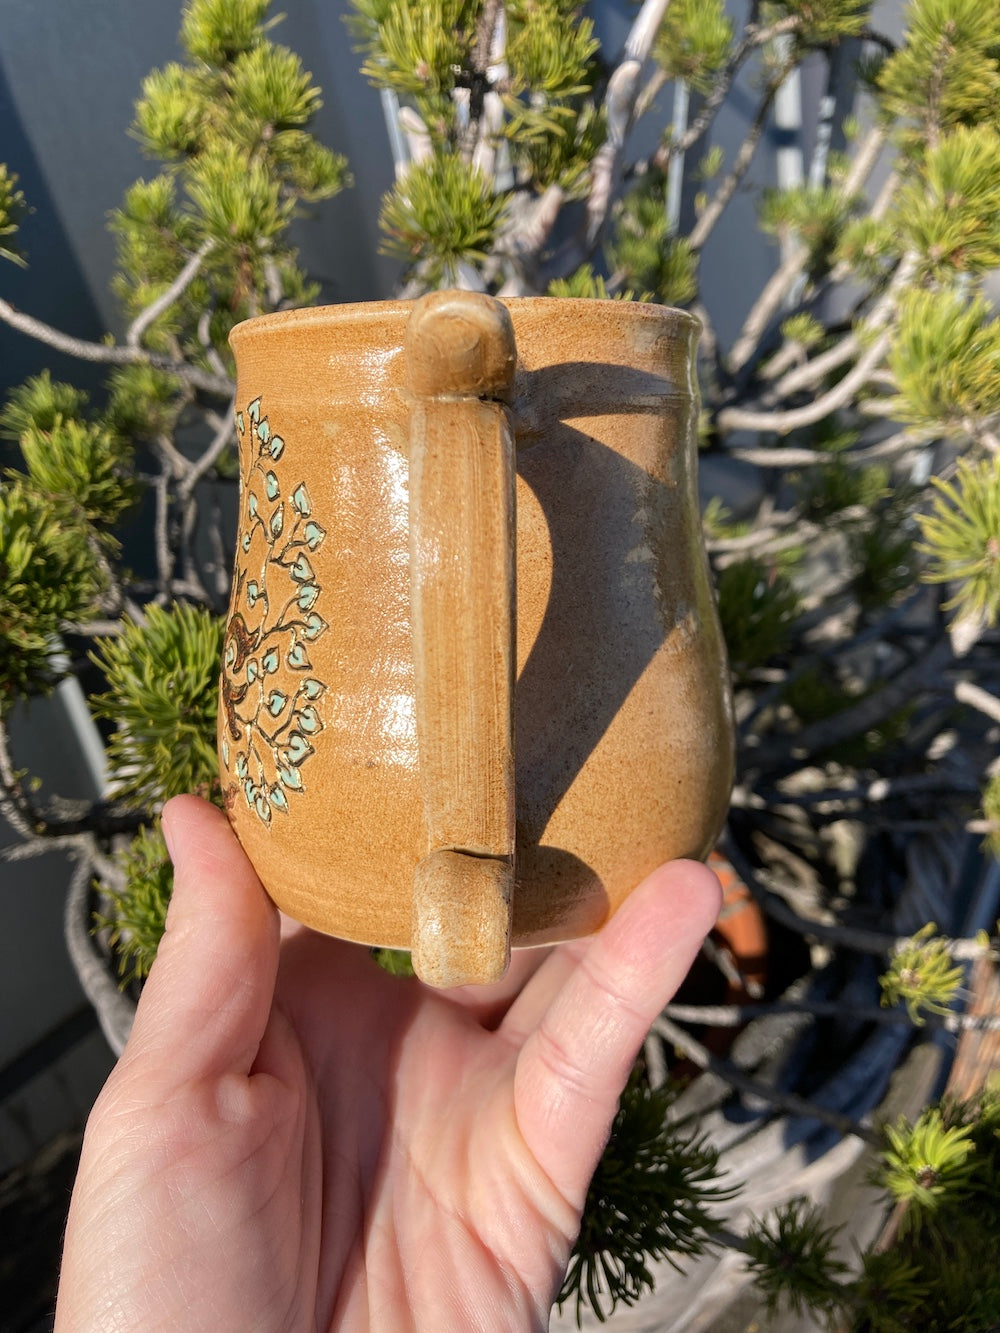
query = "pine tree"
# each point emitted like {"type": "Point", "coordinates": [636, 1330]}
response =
{"type": "Point", "coordinates": [201, 244]}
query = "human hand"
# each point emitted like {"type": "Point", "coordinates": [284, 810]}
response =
{"type": "Point", "coordinates": [294, 1140]}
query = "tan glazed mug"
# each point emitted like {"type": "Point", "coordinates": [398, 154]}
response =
{"type": "Point", "coordinates": [474, 687]}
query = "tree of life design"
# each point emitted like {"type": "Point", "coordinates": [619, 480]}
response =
{"type": "Point", "coordinates": [274, 621]}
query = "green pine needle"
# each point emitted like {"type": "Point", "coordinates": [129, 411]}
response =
{"type": "Point", "coordinates": [37, 404]}
{"type": "Point", "coordinates": [694, 41]}
{"type": "Point", "coordinates": [814, 216]}
{"type": "Point", "coordinates": [84, 465]}
{"type": "Point", "coordinates": [921, 975]}
{"type": "Point", "coordinates": [136, 912]}
{"type": "Point", "coordinates": [950, 210]}
{"type": "Point", "coordinates": [961, 535]}
{"type": "Point", "coordinates": [928, 1165]}
{"type": "Point", "coordinates": [946, 73]}
{"type": "Point", "coordinates": [892, 1291]}
{"type": "Point", "coordinates": [162, 695]}
{"type": "Point", "coordinates": [238, 203]}
{"type": "Point", "coordinates": [551, 52]}
{"type": "Point", "coordinates": [803, 330]}
{"type": "Point", "coordinates": [586, 284]}
{"type": "Point", "coordinates": [12, 213]}
{"type": "Point", "coordinates": [649, 1200]}
{"type": "Point", "coordinates": [758, 606]}
{"type": "Point", "coordinates": [646, 252]}
{"type": "Point", "coordinates": [944, 359]}
{"type": "Point", "coordinates": [217, 31]}
{"type": "Point", "coordinates": [143, 402]}
{"type": "Point", "coordinates": [397, 962]}
{"type": "Point", "coordinates": [49, 576]}
{"type": "Point", "coordinates": [442, 213]}
{"type": "Point", "coordinates": [417, 49]}
{"type": "Point", "coordinates": [174, 111]}
{"type": "Point", "coordinates": [991, 813]}
{"type": "Point", "coordinates": [791, 1258]}
{"type": "Point", "coordinates": [823, 22]}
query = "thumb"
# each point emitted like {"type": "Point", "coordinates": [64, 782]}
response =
{"type": "Point", "coordinates": [207, 999]}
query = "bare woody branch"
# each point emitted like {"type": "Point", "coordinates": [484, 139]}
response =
{"type": "Point", "coordinates": [976, 697]}
{"type": "Point", "coordinates": [620, 107]}
{"type": "Point", "coordinates": [782, 281]}
{"type": "Point", "coordinates": [877, 943]}
{"type": "Point", "coordinates": [112, 354]}
{"type": "Point", "coordinates": [794, 418]}
{"type": "Point", "coordinates": [752, 39]}
{"type": "Point", "coordinates": [789, 1102]}
{"type": "Point", "coordinates": [703, 228]}
{"type": "Point", "coordinates": [736, 1015]}
{"type": "Point", "coordinates": [166, 299]}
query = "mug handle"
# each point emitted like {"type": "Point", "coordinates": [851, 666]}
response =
{"type": "Point", "coordinates": [460, 358]}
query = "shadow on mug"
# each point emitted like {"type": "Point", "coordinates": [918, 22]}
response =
{"type": "Point", "coordinates": [556, 895]}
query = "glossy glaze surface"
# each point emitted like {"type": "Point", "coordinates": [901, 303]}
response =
{"type": "Point", "coordinates": [622, 728]}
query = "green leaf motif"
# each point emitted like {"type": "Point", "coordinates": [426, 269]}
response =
{"type": "Point", "coordinates": [302, 570]}
{"type": "Point", "coordinates": [314, 535]}
{"type": "Point", "coordinates": [297, 658]}
{"type": "Point", "coordinates": [274, 638]}
{"type": "Point", "coordinates": [309, 720]}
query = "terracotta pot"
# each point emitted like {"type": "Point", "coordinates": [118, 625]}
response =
{"type": "Point", "coordinates": [474, 686]}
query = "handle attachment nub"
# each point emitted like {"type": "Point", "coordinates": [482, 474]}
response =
{"type": "Point", "coordinates": [460, 359]}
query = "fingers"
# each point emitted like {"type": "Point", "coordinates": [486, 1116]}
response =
{"type": "Point", "coordinates": [488, 1004]}
{"type": "Point", "coordinates": [206, 1002]}
{"type": "Point", "coordinates": [573, 1066]}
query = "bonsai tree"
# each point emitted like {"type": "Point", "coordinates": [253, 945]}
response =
{"type": "Point", "coordinates": [860, 589]}
{"type": "Point", "coordinates": [859, 585]}
{"type": "Point", "coordinates": [202, 244]}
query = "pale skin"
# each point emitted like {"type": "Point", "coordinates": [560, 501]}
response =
{"type": "Point", "coordinates": [293, 1140]}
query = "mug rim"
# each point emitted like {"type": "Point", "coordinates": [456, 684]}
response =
{"type": "Point", "coordinates": [361, 312]}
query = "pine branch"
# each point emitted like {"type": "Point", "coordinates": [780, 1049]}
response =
{"type": "Point", "coordinates": [225, 433]}
{"type": "Point", "coordinates": [161, 521]}
{"type": "Point", "coordinates": [753, 38]}
{"type": "Point", "coordinates": [809, 374]}
{"type": "Point", "coordinates": [891, 696]}
{"type": "Point", "coordinates": [64, 822]}
{"type": "Point", "coordinates": [112, 354]}
{"type": "Point", "coordinates": [620, 109]}
{"type": "Point", "coordinates": [856, 938]}
{"type": "Point", "coordinates": [737, 1015]}
{"type": "Point", "coordinates": [781, 456]}
{"type": "Point", "coordinates": [208, 347]}
{"type": "Point", "coordinates": [781, 423]}
{"type": "Point", "coordinates": [876, 792]}
{"type": "Point", "coordinates": [15, 804]}
{"type": "Point", "coordinates": [976, 697]}
{"type": "Point", "coordinates": [166, 299]}
{"type": "Point", "coordinates": [788, 1102]}
{"type": "Point", "coordinates": [703, 228]}
{"type": "Point", "coordinates": [765, 307]}
{"type": "Point", "coordinates": [784, 279]}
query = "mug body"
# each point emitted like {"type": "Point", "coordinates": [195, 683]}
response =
{"type": "Point", "coordinates": [623, 739]}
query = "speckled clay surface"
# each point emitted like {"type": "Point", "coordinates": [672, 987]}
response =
{"type": "Point", "coordinates": [623, 736]}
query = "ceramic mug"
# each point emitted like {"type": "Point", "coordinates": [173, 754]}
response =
{"type": "Point", "coordinates": [474, 687]}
